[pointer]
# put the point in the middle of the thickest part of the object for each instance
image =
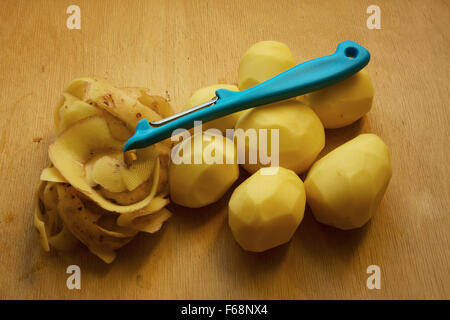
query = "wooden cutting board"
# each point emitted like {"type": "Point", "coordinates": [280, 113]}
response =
{"type": "Point", "coordinates": [176, 47]}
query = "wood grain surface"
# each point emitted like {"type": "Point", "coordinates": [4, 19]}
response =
{"type": "Point", "coordinates": [176, 47]}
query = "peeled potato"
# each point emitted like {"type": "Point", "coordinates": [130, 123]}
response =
{"type": "Point", "coordinates": [262, 61]}
{"type": "Point", "coordinates": [345, 187]}
{"type": "Point", "coordinates": [205, 94]}
{"type": "Point", "coordinates": [301, 134]}
{"type": "Point", "coordinates": [198, 185]}
{"type": "Point", "coordinates": [344, 102]}
{"type": "Point", "coordinates": [265, 210]}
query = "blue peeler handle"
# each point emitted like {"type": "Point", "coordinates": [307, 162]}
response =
{"type": "Point", "coordinates": [308, 76]}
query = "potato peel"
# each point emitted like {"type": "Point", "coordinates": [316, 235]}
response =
{"type": "Point", "coordinates": [158, 203]}
{"type": "Point", "coordinates": [82, 224]}
{"type": "Point", "coordinates": [52, 174]}
{"type": "Point", "coordinates": [68, 154]}
{"type": "Point", "coordinates": [92, 192]}
{"type": "Point", "coordinates": [151, 223]}
{"type": "Point", "coordinates": [62, 240]}
{"type": "Point", "coordinates": [112, 100]}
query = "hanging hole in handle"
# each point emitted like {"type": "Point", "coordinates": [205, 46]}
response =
{"type": "Point", "coordinates": [351, 52]}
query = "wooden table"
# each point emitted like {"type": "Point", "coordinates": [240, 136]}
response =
{"type": "Point", "coordinates": [176, 47]}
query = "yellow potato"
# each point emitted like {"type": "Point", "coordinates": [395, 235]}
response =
{"type": "Point", "coordinates": [265, 210]}
{"type": "Point", "coordinates": [197, 185]}
{"type": "Point", "coordinates": [301, 134]}
{"type": "Point", "coordinates": [344, 102]}
{"type": "Point", "coordinates": [263, 61]}
{"type": "Point", "coordinates": [345, 187]}
{"type": "Point", "coordinates": [204, 94]}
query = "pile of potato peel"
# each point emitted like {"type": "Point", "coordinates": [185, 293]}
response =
{"type": "Point", "coordinates": [92, 192]}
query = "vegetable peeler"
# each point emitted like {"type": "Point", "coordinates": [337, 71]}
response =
{"type": "Point", "coordinates": [349, 58]}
